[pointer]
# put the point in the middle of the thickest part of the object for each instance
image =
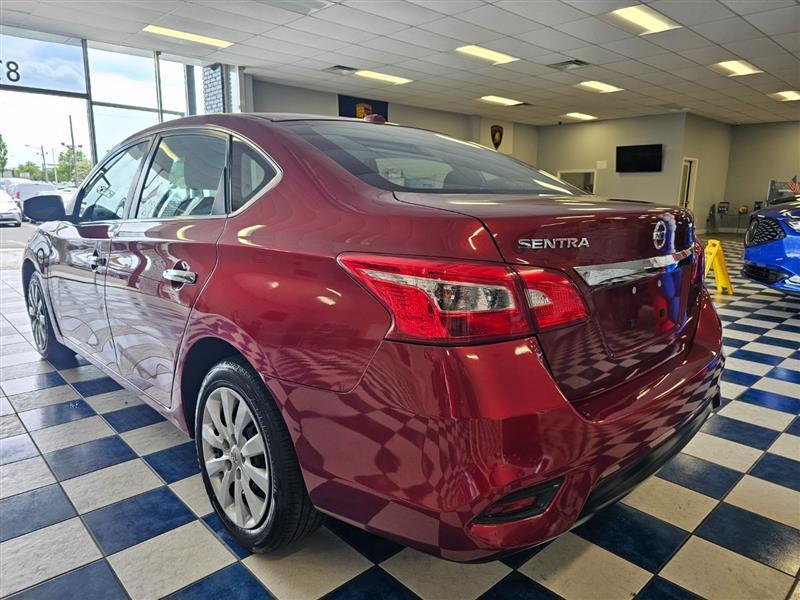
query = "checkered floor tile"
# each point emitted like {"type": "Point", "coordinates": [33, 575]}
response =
{"type": "Point", "coordinates": [101, 498]}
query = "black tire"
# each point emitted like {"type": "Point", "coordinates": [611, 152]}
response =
{"type": "Point", "coordinates": [289, 515]}
{"type": "Point", "coordinates": [44, 340]}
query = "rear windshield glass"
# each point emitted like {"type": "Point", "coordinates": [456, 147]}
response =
{"type": "Point", "coordinates": [414, 160]}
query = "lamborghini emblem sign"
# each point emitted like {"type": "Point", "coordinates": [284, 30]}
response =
{"type": "Point", "coordinates": [363, 109]}
{"type": "Point", "coordinates": [497, 135]}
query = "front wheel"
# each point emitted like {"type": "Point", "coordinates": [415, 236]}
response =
{"type": "Point", "coordinates": [44, 338]}
{"type": "Point", "coordinates": [248, 462]}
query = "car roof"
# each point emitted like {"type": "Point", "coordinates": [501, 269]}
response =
{"type": "Point", "coordinates": [300, 117]}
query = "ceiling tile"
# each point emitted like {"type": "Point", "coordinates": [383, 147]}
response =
{"type": "Point", "coordinates": [678, 39]}
{"type": "Point", "coordinates": [790, 41]}
{"type": "Point", "coordinates": [634, 47]}
{"type": "Point", "coordinates": [350, 17]}
{"type": "Point", "coordinates": [461, 30]}
{"type": "Point", "coordinates": [454, 60]}
{"type": "Point", "coordinates": [728, 30]}
{"type": "Point", "coordinates": [426, 39]}
{"type": "Point", "coordinates": [330, 29]}
{"type": "Point", "coordinates": [304, 38]}
{"type": "Point", "coordinates": [778, 62]}
{"type": "Point", "coordinates": [594, 30]}
{"type": "Point", "coordinates": [516, 47]}
{"type": "Point", "coordinates": [203, 28]}
{"type": "Point", "coordinates": [497, 19]}
{"type": "Point", "coordinates": [746, 7]}
{"type": "Point", "coordinates": [629, 67]}
{"type": "Point", "coordinates": [692, 12]}
{"type": "Point", "coordinates": [775, 22]}
{"type": "Point", "coordinates": [87, 19]}
{"type": "Point", "coordinates": [596, 55]}
{"type": "Point", "coordinates": [708, 55]}
{"type": "Point", "coordinates": [754, 48]}
{"type": "Point", "coordinates": [668, 61]}
{"type": "Point", "coordinates": [397, 47]}
{"type": "Point", "coordinates": [553, 40]}
{"type": "Point", "coordinates": [208, 14]}
{"type": "Point", "coordinates": [598, 7]}
{"type": "Point", "coordinates": [251, 9]}
{"type": "Point", "coordinates": [547, 12]}
{"type": "Point", "coordinates": [449, 7]}
{"type": "Point", "coordinates": [396, 10]}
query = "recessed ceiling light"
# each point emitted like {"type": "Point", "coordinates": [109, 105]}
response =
{"type": "Point", "coordinates": [641, 20]}
{"type": "Point", "coordinates": [383, 77]}
{"type": "Point", "coordinates": [579, 116]}
{"type": "Point", "coordinates": [500, 100]}
{"type": "Point", "coordinates": [189, 37]}
{"type": "Point", "coordinates": [598, 86]}
{"type": "Point", "coordinates": [496, 58]}
{"type": "Point", "coordinates": [735, 68]}
{"type": "Point", "coordinates": [786, 96]}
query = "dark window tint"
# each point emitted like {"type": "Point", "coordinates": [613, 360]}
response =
{"type": "Point", "coordinates": [105, 196]}
{"type": "Point", "coordinates": [401, 158]}
{"type": "Point", "coordinates": [249, 173]}
{"type": "Point", "coordinates": [185, 179]}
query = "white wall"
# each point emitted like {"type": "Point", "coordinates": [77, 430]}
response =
{"type": "Point", "coordinates": [526, 143]}
{"type": "Point", "coordinates": [453, 124]}
{"type": "Point", "coordinates": [710, 143]}
{"type": "Point", "coordinates": [273, 97]}
{"type": "Point", "coordinates": [581, 146]}
{"type": "Point", "coordinates": [760, 153]}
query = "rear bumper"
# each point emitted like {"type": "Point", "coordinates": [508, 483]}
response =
{"type": "Point", "coordinates": [432, 437]}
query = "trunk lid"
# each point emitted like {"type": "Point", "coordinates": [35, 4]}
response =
{"type": "Point", "coordinates": [638, 319]}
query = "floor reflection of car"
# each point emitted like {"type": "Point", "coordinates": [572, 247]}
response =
{"type": "Point", "coordinates": [9, 211]}
{"type": "Point", "coordinates": [772, 247]}
{"type": "Point", "coordinates": [413, 333]}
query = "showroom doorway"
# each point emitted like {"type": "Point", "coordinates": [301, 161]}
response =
{"type": "Point", "coordinates": [688, 183]}
{"type": "Point", "coordinates": [581, 179]}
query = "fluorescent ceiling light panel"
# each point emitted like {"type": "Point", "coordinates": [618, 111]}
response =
{"type": "Point", "coordinates": [496, 58]}
{"type": "Point", "coordinates": [580, 116]}
{"type": "Point", "coordinates": [598, 86]}
{"type": "Point", "coordinates": [786, 96]}
{"type": "Point", "coordinates": [383, 77]}
{"type": "Point", "coordinates": [735, 68]}
{"type": "Point", "coordinates": [641, 20]}
{"type": "Point", "coordinates": [500, 100]}
{"type": "Point", "coordinates": [189, 37]}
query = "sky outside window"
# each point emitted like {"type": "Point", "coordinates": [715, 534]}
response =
{"type": "Point", "coordinates": [122, 78]}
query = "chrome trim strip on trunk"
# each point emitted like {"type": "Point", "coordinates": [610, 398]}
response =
{"type": "Point", "coordinates": [598, 275]}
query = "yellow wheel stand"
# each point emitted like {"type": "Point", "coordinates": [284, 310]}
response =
{"type": "Point", "coordinates": [715, 259]}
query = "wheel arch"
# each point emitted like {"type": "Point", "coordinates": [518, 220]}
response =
{"type": "Point", "coordinates": [28, 269]}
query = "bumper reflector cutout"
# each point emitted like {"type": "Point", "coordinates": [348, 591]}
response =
{"type": "Point", "coordinates": [521, 504]}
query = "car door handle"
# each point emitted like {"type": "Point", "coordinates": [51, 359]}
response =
{"type": "Point", "coordinates": [180, 274]}
{"type": "Point", "coordinates": [95, 261]}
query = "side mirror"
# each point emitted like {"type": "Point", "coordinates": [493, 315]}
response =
{"type": "Point", "coordinates": [45, 207]}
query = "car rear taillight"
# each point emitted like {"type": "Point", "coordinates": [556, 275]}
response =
{"type": "Point", "coordinates": [461, 302]}
{"type": "Point", "coordinates": [551, 297]}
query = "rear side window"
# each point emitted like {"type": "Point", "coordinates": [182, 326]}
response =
{"type": "Point", "coordinates": [414, 160]}
{"type": "Point", "coordinates": [249, 173]}
{"type": "Point", "coordinates": [105, 196]}
{"type": "Point", "coordinates": [186, 178]}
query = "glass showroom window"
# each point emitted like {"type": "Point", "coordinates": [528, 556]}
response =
{"type": "Point", "coordinates": [41, 63]}
{"type": "Point", "coordinates": [173, 87]}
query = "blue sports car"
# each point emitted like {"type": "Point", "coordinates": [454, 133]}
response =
{"type": "Point", "coordinates": [772, 247]}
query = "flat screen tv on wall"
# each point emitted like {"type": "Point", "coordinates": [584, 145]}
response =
{"type": "Point", "coordinates": [639, 159]}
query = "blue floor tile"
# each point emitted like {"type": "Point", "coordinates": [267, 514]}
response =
{"type": "Point", "coordinates": [92, 387]}
{"type": "Point", "coordinates": [178, 462]}
{"type": "Point", "coordinates": [778, 469]}
{"type": "Point", "coordinates": [17, 447]}
{"type": "Point", "coordinates": [784, 374]}
{"type": "Point", "coordinates": [133, 417]}
{"type": "Point", "coordinates": [661, 589]}
{"type": "Point", "coordinates": [90, 456]}
{"type": "Point", "coordinates": [516, 586]}
{"type": "Point", "coordinates": [55, 414]}
{"type": "Point", "coordinates": [33, 510]}
{"type": "Point", "coordinates": [739, 378]}
{"type": "Point", "coordinates": [635, 536]}
{"type": "Point", "coordinates": [372, 584]}
{"type": "Point", "coordinates": [747, 328]}
{"type": "Point", "coordinates": [733, 342]}
{"type": "Point", "coordinates": [137, 519]}
{"type": "Point", "coordinates": [794, 428]}
{"type": "Point", "coordinates": [32, 383]}
{"type": "Point", "coordinates": [376, 549]}
{"type": "Point", "coordinates": [741, 432]}
{"type": "Point", "coordinates": [771, 400]}
{"type": "Point", "coordinates": [213, 521]}
{"type": "Point", "coordinates": [757, 357]}
{"type": "Point", "coordinates": [754, 536]}
{"type": "Point", "coordinates": [231, 583]}
{"type": "Point", "coordinates": [95, 581]}
{"type": "Point", "coordinates": [700, 475]}
{"type": "Point", "coordinates": [776, 341]}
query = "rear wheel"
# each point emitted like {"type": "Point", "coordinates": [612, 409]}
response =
{"type": "Point", "coordinates": [247, 459]}
{"type": "Point", "coordinates": [44, 338]}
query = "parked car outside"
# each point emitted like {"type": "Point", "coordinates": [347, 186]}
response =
{"type": "Point", "coordinates": [23, 190]}
{"type": "Point", "coordinates": [7, 182]}
{"type": "Point", "coordinates": [9, 211]}
{"type": "Point", "coordinates": [772, 247]}
{"type": "Point", "coordinates": [412, 333]}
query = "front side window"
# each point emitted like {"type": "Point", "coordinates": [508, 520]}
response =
{"type": "Point", "coordinates": [249, 173]}
{"type": "Point", "coordinates": [186, 178]}
{"type": "Point", "coordinates": [105, 196]}
{"type": "Point", "coordinates": [414, 160]}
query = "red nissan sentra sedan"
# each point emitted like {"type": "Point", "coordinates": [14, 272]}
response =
{"type": "Point", "coordinates": [412, 333]}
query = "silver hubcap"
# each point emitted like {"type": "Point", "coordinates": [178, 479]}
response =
{"type": "Point", "coordinates": [235, 458]}
{"type": "Point", "coordinates": [38, 316]}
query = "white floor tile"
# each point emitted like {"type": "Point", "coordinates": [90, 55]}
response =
{"type": "Point", "coordinates": [170, 561]}
{"type": "Point", "coordinates": [10, 425]}
{"type": "Point", "coordinates": [723, 452]}
{"type": "Point", "coordinates": [23, 476]}
{"type": "Point", "coordinates": [768, 349]}
{"type": "Point", "coordinates": [83, 373]}
{"type": "Point", "coordinates": [717, 573]}
{"type": "Point", "coordinates": [103, 403]}
{"type": "Point", "coordinates": [671, 502]}
{"type": "Point", "coordinates": [71, 434]}
{"type": "Point", "coordinates": [575, 568]}
{"type": "Point", "coordinates": [747, 366]}
{"type": "Point", "coordinates": [309, 569]}
{"type": "Point", "coordinates": [792, 364]}
{"type": "Point", "coordinates": [771, 500]}
{"type": "Point", "coordinates": [153, 438]}
{"type": "Point", "coordinates": [193, 494]}
{"type": "Point", "coordinates": [44, 553]}
{"type": "Point", "coordinates": [112, 484]}
{"type": "Point", "coordinates": [757, 415]}
{"type": "Point", "coordinates": [731, 391]}
{"type": "Point", "coordinates": [787, 445]}
{"type": "Point", "coordinates": [778, 386]}
{"type": "Point", "coordinates": [40, 398]}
